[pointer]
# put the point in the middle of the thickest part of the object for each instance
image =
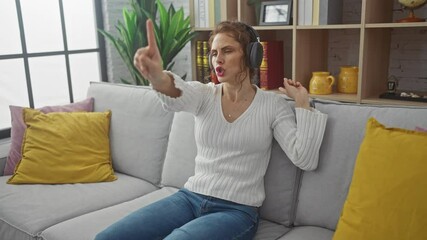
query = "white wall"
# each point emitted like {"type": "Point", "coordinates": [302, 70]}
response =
{"type": "Point", "coordinates": [112, 11]}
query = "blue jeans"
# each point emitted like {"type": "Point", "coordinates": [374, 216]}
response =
{"type": "Point", "coordinates": [186, 215]}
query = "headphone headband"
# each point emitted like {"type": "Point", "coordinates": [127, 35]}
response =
{"type": "Point", "coordinates": [254, 50]}
{"type": "Point", "coordinates": [254, 34]}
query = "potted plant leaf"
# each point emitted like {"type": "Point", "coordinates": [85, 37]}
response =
{"type": "Point", "coordinates": [173, 32]}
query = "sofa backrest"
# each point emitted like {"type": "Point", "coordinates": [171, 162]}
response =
{"type": "Point", "coordinates": [181, 151]}
{"type": "Point", "coordinates": [323, 191]}
{"type": "Point", "coordinates": [281, 187]}
{"type": "Point", "coordinates": [139, 128]}
{"type": "Point", "coordinates": [2, 165]}
{"type": "Point", "coordinates": [280, 180]}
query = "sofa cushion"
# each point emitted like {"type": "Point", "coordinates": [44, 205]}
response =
{"type": "Point", "coordinates": [18, 128]}
{"type": "Point", "coordinates": [26, 210]}
{"type": "Point", "coordinates": [65, 148]}
{"type": "Point", "coordinates": [2, 161]}
{"type": "Point", "coordinates": [181, 151]}
{"type": "Point", "coordinates": [90, 224]}
{"type": "Point", "coordinates": [388, 186]}
{"type": "Point", "coordinates": [281, 186]}
{"type": "Point", "coordinates": [269, 230]}
{"type": "Point", "coordinates": [323, 192]}
{"type": "Point", "coordinates": [139, 128]}
{"type": "Point", "coordinates": [308, 233]}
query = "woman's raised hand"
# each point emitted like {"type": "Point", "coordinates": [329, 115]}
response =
{"type": "Point", "coordinates": [148, 60]}
{"type": "Point", "coordinates": [149, 63]}
{"type": "Point", "coordinates": [296, 91]}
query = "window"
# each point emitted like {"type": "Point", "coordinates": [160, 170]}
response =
{"type": "Point", "coordinates": [49, 52]}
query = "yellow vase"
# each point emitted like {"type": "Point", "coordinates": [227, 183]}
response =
{"type": "Point", "coordinates": [347, 81]}
{"type": "Point", "coordinates": [321, 83]}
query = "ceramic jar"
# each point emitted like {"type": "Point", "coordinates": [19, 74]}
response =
{"type": "Point", "coordinates": [347, 81]}
{"type": "Point", "coordinates": [321, 83]}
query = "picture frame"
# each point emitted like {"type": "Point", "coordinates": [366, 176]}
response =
{"type": "Point", "coordinates": [275, 13]}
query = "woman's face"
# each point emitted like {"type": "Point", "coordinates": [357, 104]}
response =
{"type": "Point", "coordinates": [226, 57]}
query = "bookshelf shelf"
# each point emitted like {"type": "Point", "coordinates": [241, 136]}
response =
{"type": "Point", "coordinates": [273, 27]}
{"type": "Point", "coordinates": [334, 26]}
{"type": "Point", "coordinates": [203, 29]}
{"type": "Point", "coordinates": [338, 97]}
{"type": "Point", "coordinates": [367, 38]}
{"type": "Point", "coordinates": [396, 25]}
{"type": "Point", "coordinates": [381, 101]}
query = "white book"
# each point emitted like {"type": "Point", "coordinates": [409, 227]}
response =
{"type": "Point", "coordinates": [211, 13]}
{"type": "Point", "coordinates": [330, 12]}
{"type": "Point", "coordinates": [203, 15]}
{"type": "Point", "coordinates": [308, 16]}
{"type": "Point", "coordinates": [217, 11]}
{"type": "Point", "coordinates": [301, 12]}
{"type": "Point", "coordinates": [315, 20]}
{"type": "Point", "coordinates": [196, 13]}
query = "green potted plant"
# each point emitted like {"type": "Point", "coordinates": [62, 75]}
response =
{"type": "Point", "coordinates": [173, 32]}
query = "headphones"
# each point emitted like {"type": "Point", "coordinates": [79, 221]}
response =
{"type": "Point", "coordinates": [254, 50]}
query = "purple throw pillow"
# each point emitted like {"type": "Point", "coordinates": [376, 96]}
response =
{"type": "Point", "coordinates": [18, 128]}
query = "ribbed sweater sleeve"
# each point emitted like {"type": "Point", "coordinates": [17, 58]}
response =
{"type": "Point", "coordinates": [300, 139]}
{"type": "Point", "coordinates": [192, 96]}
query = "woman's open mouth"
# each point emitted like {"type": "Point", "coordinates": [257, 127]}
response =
{"type": "Point", "coordinates": [219, 71]}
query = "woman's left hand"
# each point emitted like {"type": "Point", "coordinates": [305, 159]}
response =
{"type": "Point", "coordinates": [296, 91]}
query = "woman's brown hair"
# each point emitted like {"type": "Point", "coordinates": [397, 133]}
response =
{"type": "Point", "coordinates": [239, 32]}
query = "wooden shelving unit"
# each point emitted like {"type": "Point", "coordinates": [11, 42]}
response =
{"type": "Point", "coordinates": [308, 48]}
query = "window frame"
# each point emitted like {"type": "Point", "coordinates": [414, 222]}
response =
{"type": "Point", "coordinates": [5, 133]}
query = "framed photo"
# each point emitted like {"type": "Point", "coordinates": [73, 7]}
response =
{"type": "Point", "coordinates": [276, 12]}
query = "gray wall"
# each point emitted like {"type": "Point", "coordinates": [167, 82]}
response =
{"type": "Point", "coordinates": [408, 48]}
{"type": "Point", "coordinates": [116, 68]}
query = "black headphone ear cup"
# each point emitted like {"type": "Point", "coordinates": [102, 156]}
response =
{"type": "Point", "coordinates": [255, 54]}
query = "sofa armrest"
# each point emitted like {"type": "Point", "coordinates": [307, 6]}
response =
{"type": "Point", "coordinates": [2, 164]}
{"type": "Point", "coordinates": [4, 150]}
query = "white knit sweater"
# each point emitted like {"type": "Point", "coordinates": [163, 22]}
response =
{"type": "Point", "coordinates": [232, 158]}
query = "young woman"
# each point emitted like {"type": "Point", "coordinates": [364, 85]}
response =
{"type": "Point", "coordinates": [235, 123]}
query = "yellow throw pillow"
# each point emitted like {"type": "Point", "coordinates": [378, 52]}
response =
{"type": "Point", "coordinates": [64, 147]}
{"type": "Point", "coordinates": [387, 199]}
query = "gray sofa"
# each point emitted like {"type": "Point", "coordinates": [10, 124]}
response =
{"type": "Point", "coordinates": [153, 155]}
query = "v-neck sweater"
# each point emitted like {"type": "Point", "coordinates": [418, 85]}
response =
{"type": "Point", "coordinates": [232, 157]}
